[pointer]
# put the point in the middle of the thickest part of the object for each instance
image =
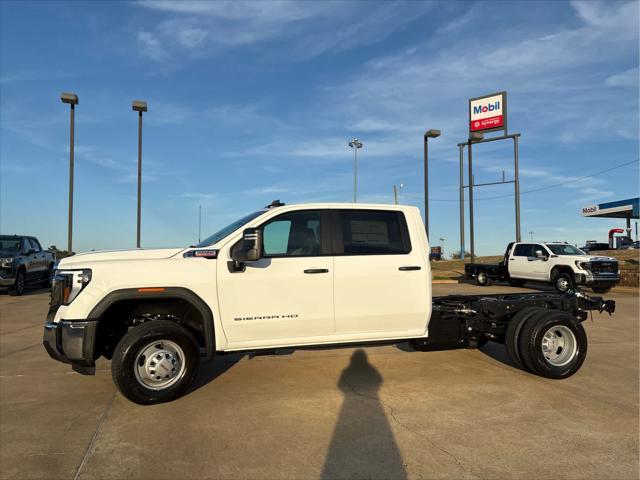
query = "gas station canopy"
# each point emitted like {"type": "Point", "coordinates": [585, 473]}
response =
{"type": "Point", "coordinates": [628, 209]}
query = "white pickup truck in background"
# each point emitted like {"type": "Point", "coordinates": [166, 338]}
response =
{"type": "Point", "coordinates": [555, 263]}
{"type": "Point", "coordinates": [290, 276]}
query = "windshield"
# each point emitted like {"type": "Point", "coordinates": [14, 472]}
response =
{"type": "Point", "coordinates": [565, 250]}
{"type": "Point", "coordinates": [10, 245]}
{"type": "Point", "coordinates": [220, 234]}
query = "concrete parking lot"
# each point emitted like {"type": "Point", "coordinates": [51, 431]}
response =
{"type": "Point", "coordinates": [375, 412]}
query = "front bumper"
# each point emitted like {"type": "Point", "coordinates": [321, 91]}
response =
{"type": "Point", "coordinates": [597, 280]}
{"type": "Point", "coordinates": [7, 277]}
{"type": "Point", "coordinates": [72, 342]}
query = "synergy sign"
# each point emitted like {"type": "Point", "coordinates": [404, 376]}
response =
{"type": "Point", "coordinates": [488, 113]}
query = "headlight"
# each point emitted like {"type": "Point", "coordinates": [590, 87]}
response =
{"type": "Point", "coordinates": [6, 262]}
{"type": "Point", "coordinates": [67, 285]}
{"type": "Point", "coordinates": [583, 265]}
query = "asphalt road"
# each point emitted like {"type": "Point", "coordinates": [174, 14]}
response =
{"type": "Point", "coordinates": [376, 412]}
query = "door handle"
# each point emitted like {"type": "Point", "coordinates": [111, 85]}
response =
{"type": "Point", "coordinates": [316, 270]}
{"type": "Point", "coordinates": [511, 259]}
{"type": "Point", "coordinates": [410, 268]}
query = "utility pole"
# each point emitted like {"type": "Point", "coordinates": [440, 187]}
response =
{"type": "Point", "coordinates": [531, 234]}
{"type": "Point", "coordinates": [395, 195]}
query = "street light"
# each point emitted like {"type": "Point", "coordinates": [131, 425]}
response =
{"type": "Point", "coordinates": [428, 134]}
{"type": "Point", "coordinates": [139, 106]}
{"type": "Point", "coordinates": [396, 191]}
{"type": "Point", "coordinates": [72, 100]}
{"type": "Point", "coordinates": [355, 144]}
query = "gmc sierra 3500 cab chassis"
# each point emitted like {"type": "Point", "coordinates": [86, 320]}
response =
{"type": "Point", "coordinates": [468, 321]}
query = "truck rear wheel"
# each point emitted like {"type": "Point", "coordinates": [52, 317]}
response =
{"type": "Point", "coordinates": [513, 334]}
{"type": "Point", "coordinates": [482, 278]}
{"type": "Point", "coordinates": [155, 362]}
{"type": "Point", "coordinates": [553, 344]}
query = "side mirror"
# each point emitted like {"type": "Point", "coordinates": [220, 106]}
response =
{"type": "Point", "coordinates": [30, 251]}
{"type": "Point", "coordinates": [250, 249]}
{"type": "Point", "coordinates": [541, 255]}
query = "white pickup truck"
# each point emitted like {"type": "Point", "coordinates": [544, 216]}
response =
{"type": "Point", "coordinates": [556, 263]}
{"type": "Point", "coordinates": [290, 276]}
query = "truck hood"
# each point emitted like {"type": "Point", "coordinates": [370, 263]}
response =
{"type": "Point", "coordinates": [588, 258]}
{"type": "Point", "coordinates": [82, 259]}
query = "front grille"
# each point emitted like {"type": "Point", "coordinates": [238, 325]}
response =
{"type": "Point", "coordinates": [604, 267]}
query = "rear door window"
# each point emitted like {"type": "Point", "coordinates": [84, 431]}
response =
{"type": "Point", "coordinates": [373, 232]}
{"type": "Point", "coordinates": [523, 250]}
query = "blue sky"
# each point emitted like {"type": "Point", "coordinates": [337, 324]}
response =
{"type": "Point", "coordinates": [249, 102]}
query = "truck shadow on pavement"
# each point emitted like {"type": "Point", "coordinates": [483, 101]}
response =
{"type": "Point", "coordinates": [493, 350]}
{"type": "Point", "coordinates": [363, 444]}
{"type": "Point", "coordinates": [212, 369]}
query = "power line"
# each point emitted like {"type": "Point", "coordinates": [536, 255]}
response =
{"type": "Point", "coordinates": [533, 190]}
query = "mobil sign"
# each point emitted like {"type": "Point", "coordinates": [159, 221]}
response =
{"type": "Point", "coordinates": [488, 113]}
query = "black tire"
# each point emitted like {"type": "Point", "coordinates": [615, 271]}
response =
{"type": "Point", "coordinates": [513, 333]}
{"type": "Point", "coordinates": [124, 368]}
{"type": "Point", "coordinates": [563, 282]}
{"type": "Point", "coordinates": [530, 344]}
{"type": "Point", "coordinates": [514, 282]}
{"type": "Point", "coordinates": [602, 290]}
{"type": "Point", "coordinates": [18, 287]}
{"type": "Point", "coordinates": [482, 278]}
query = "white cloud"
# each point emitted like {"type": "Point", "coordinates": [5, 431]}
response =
{"type": "Point", "coordinates": [192, 37]}
{"type": "Point", "coordinates": [306, 29]}
{"type": "Point", "coordinates": [150, 46]}
{"type": "Point", "coordinates": [628, 78]}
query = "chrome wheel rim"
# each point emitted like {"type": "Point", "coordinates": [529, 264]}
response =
{"type": "Point", "coordinates": [481, 277]}
{"type": "Point", "coordinates": [559, 345]}
{"type": "Point", "coordinates": [160, 365]}
{"type": "Point", "coordinates": [563, 284]}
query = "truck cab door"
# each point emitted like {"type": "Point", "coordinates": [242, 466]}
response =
{"type": "Point", "coordinates": [286, 297]}
{"type": "Point", "coordinates": [540, 267]}
{"type": "Point", "coordinates": [381, 278]}
{"type": "Point", "coordinates": [519, 264]}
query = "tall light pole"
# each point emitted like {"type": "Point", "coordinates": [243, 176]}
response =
{"type": "Point", "coordinates": [396, 191]}
{"type": "Point", "coordinates": [139, 106]}
{"type": "Point", "coordinates": [428, 134]}
{"type": "Point", "coordinates": [531, 233]}
{"type": "Point", "coordinates": [355, 144]}
{"type": "Point", "coordinates": [199, 222]}
{"type": "Point", "coordinates": [72, 100]}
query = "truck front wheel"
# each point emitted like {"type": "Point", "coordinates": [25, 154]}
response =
{"type": "Point", "coordinates": [155, 362]}
{"type": "Point", "coordinates": [18, 287]}
{"type": "Point", "coordinates": [563, 282]}
{"type": "Point", "coordinates": [553, 344]}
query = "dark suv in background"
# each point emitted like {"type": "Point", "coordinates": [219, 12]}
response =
{"type": "Point", "coordinates": [23, 262]}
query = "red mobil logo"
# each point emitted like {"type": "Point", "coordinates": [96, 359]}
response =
{"type": "Point", "coordinates": [486, 113]}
